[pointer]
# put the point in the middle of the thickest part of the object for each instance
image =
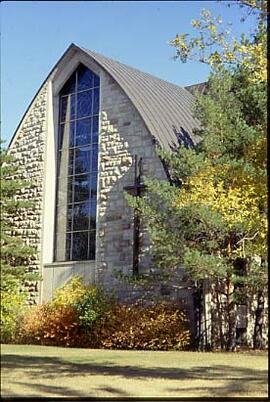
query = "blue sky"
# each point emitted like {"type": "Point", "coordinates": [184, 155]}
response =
{"type": "Point", "coordinates": [34, 35]}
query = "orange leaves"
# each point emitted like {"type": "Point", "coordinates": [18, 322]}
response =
{"type": "Point", "coordinates": [47, 325]}
{"type": "Point", "coordinates": [159, 327]}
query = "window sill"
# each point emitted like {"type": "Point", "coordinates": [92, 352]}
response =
{"type": "Point", "coordinates": [69, 263]}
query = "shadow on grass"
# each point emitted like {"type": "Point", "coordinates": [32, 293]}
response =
{"type": "Point", "coordinates": [113, 391]}
{"type": "Point", "coordinates": [31, 389]}
{"type": "Point", "coordinates": [233, 380]}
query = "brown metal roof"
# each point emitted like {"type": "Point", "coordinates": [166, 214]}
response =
{"type": "Point", "coordinates": [165, 108]}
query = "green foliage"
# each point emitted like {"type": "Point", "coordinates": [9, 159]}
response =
{"type": "Point", "coordinates": [214, 212]}
{"type": "Point", "coordinates": [74, 311]}
{"type": "Point", "coordinates": [15, 254]}
{"type": "Point", "coordinates": [70, 292]}
{"type": "Point", "coordinates": [89, 302]}
{"type": "Point", "coordinates": [12, 307]}
{"type": "Point", "coordinates": [201, 265]}
{"type": "Point", "coordinates": [91, 307]}
{"type": "Point", "coordinates": [217, 207]}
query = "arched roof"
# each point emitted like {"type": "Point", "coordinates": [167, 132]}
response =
{"type": "Point", "coordinates": [165, 108]}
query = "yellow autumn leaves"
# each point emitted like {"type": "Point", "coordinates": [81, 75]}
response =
{"type": "Point", "coordinates": [239, 203]}
{"type": "Point", "coordinates": [254, 60]}
{"type": "Point", "coordinates": [216, 46]}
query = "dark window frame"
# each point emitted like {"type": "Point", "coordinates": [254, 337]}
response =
{"type": "Point", "coordinates": [91, 149]}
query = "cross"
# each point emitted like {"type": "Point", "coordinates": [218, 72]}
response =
{"type": "Point", "coordinates": [136, 190]}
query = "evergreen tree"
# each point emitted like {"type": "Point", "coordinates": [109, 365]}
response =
{"type": "Point", "coordinates": [15, 254]}
{"type": "Point", "coordinates": [213, 219]}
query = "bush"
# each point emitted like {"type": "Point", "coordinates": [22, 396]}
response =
{"type": "Point", "coordinates": [91, 307]}
{"type": "Point", "coordinates": [82, 316]}
{"type": "Point", "coordinates": [89, 302]}
{"type": "Point", "coordinates": [51, 326]}
{"type": "Point", "coordinates": [12, 307]}
{"type": "Point", "coordinates": [70, 292]}
{"type": "Point", "coordinates": [162, 327]}
{"type": "Point", "coordinates": [75, 308]}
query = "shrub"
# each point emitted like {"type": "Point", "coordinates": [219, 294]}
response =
{"type": "Point", "coordinates": [75, 308]}
{"type": "Point", "coordinates": [89, 302]}
{"type": "Point", "coordinates": [52, 326]}
{"type": "Point", "coordinates": [162, 327]}
{"type": "Point", "coordinates": [82, 316]}
{"type": "Point", "coordinates": [70, 292]}
{"type": "Point", "coordinates": [91, 307]}
{"type": "Point", "coordinates": [12, 307]}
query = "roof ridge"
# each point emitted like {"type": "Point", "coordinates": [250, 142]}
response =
{"type": "Point", "coordinates": [165, 108]}
{"type": "Point", "coordinates": [132, 68]}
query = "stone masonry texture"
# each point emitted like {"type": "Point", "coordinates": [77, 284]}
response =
{"type": "Point", "coordinates": [123, 134]}
{"type": "Point", "coordinates": [28, 152]}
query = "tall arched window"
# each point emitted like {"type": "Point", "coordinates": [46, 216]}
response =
{"type": "Point", "coordinates": [77, 167]}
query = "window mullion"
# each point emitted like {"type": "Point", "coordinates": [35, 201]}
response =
{"type": "Point", "coordinates": [73, 170]}
{"type": "Point", "coordinates": [78, 248]}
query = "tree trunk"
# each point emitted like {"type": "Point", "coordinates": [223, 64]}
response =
{"type": "Point", "coordinates": [258, 342]}
{"type": "Point", "coordinates": [231, 338]}
{"type": "Point", "coordinates": [220, 318]}
{"type": "Point", "coordinates": [198, 315]}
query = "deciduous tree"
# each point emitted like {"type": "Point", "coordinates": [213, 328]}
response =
{"type": "Point", "coordinates": [213, 220]}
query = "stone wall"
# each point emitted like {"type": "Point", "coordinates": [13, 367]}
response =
{"type": "Point", "coordinates": [27, 148]}
{"type": "Point", "coordinates": [250, 321]}
{"type": "Point", "coordinates": [244, 319]}
{"type": "Point", "coordinates": [122, 135]}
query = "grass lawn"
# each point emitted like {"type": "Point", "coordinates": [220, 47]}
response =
{"type": "Point", "coordinates": [50, 371]}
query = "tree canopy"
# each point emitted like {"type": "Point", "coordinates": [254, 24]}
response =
{"type": "Point", "coordinates": [213, 219]}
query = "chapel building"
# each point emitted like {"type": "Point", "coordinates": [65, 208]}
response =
{"type": "Point", "coordinates": [89, 135]}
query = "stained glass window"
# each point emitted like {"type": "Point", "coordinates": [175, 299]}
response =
{"type": "Point", "coordinates": [77, 167]}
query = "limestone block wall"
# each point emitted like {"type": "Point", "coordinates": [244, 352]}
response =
{"type": "Point", "coordinates": [27, 148]}
{"type": "Point", "coordinates": [245, 316]}
{"type": "Point", "coordinates": [251, 317]}
{"type": "Point", "coordinates": [123, 134]}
